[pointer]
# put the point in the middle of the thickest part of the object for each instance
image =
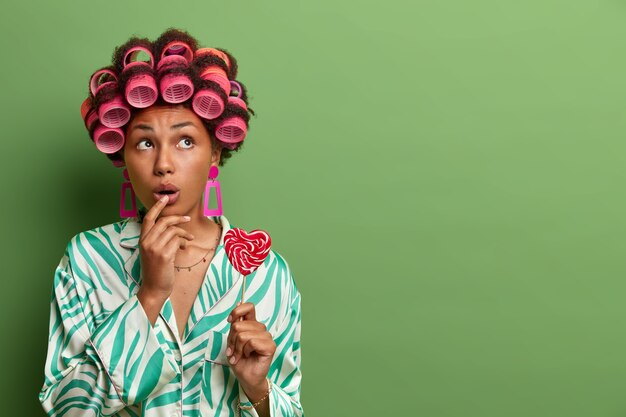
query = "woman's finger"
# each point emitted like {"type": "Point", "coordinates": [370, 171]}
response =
{"type": "Point", "coordinates": [165, 222]}
{"type": "Point", "coordinates": [154, 245]}
{"type": "Point", "coordinates": [245, 310]}
{"type": "Point", "coordinates": [240, 340]}
{"type": "Point", "coordinates": [171, 247]}
{"type": "Point", "coordinates": [259, 342]}
{"type": "Point", "coordinates": [262, 346]}
{"type": "Point", "coordinates": [150, 218]}
{"type": "Point", "coordinates": [241, 327]}
{"type": "Point", "coordinates": [169, 234]}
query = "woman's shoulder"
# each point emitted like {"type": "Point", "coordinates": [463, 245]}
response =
{"type": "Point", "coordinates": [277, 266]}
{"type": "Point", "coordinates": [113, 236]}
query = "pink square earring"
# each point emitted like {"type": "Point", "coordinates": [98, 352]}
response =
{"type": "Point", "coordinates": [212, 183]}
{"type": "Point", "coordinates": [127, 185]}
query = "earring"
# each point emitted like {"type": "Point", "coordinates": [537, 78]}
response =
{"type": "Point", "coordinates": [212, 183]}
{"type": "Point", "coordinates": [126, 185]}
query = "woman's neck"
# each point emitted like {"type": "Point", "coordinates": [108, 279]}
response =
{"type": "Point", "coordinates": [204, 229]}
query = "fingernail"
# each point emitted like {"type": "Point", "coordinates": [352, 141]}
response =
{"type": "Point", "coordinates": [231, 360]}
{"type": "Point", "coordinates": [164, 199]}
{"type": "Point", "coordinates": [229, 319]}
{"type": "Point", "coordinates": [229, 351]}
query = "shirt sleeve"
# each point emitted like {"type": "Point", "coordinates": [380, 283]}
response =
{"type": "Point", "coordinates": [100, 371]}
{"type": "Point", "coordinates": [284, 371]}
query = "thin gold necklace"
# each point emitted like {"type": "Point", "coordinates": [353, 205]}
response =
{"type": "Point", "coordinates": [188, 268]}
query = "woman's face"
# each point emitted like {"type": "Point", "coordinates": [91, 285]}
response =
{"type": "Point", "coordinates": [168, 152]}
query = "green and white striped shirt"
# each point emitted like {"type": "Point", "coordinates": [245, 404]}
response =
{"type": "Point", "coordinates": [106, 359]}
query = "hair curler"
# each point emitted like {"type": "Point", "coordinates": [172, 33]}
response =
{"type": "Point", "coordinates": [178, 48]}
{"type": "Point", "coordinates": [88, 113]}
{"type": "Point", "coordinates": [114, 112]}
{"type": "Point", "coordinates": [101, 78]}
{"type": "Point", "coordinates": [232, 130]}
{"type": "Point", "coordinates": [86, 107]}
{"type": "Point", "coordinates": [92, 119]}
{"type": "Point", "coordinates": [215, 52]}
{"type": "Point", "coordinates": [141, 89]}
{"type": "Point", "coordinates": [175, 87]}
{"type": "Point", "coordinates": [237, 100]}
{"type": "Point", "coordinates": [207, 103]}
{"type": "Point", "coordinates": [107, 139]}
{"type": "Point", "coordinates": [217, 74]}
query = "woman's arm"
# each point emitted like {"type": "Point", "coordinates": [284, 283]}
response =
{"type": "Point", "coordinates": [284, 372]}
{"type": "Point", "coordinates": [99, 370]}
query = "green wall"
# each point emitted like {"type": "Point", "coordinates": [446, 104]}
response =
{"type": "Point", "coordinates": [444, 177]}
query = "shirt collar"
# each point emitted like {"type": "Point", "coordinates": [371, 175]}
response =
{"type": "Point", "coordinates": [131, 231]}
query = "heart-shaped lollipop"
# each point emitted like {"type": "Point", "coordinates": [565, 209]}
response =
{"type": "Point", "coordinates": [246, 251]}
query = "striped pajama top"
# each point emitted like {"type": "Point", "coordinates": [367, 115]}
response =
{"type": "Point", "coordinates": [106, 359]}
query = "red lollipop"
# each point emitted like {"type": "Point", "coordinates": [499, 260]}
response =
{"type": "Point", "coordinates": [246, 251]}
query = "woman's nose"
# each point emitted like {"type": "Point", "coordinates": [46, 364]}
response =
{"type": "Point", "coordinates": [163, 164]}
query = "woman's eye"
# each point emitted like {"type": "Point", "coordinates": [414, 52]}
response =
{"type": "Point", "coordinates": [185, 143]}
{"type": "Point", "coordinates": [144, 144]}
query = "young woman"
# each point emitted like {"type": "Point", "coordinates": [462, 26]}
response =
{"type": "Point", "coordinates": [146, 318]}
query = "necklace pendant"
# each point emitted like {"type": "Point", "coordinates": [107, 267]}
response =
{"type": "Point", "coordinates": [189, 269]}
{"type": "Point", "coordinates": [177, 269]}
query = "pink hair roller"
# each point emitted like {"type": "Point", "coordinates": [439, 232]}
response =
{"type": "Point", "coordinates": [236, 100]}
{"type": "Point", "coordinates": [108, 140]}
{"type": "Point", "coordinates": [100, 79]}
{"type": "Point", "coordinates": [216, 52]}
{"type": "Point", "coordinates": [234, 85]}
{"type": "Point", "coordinates": [178, 48]}
{"type": "Point", "coordinates": [88, 114]}
{"type": "Point", "coordinates": [215, 73]}
{"type": "Point", "coordinates": [92, 118]}
{"type": "Point", "coordinates": [85, 107]}
{"type": "Point", "coordinates": [175, 88]}
{"type": "Point", "coordinates": [141, 89]}
{"type": "Point", "coordinates": [233, 129]}
{"type": "Point", "coordinates": [207, 103]}
{"type": "Point", "coordinates": [113, 113]}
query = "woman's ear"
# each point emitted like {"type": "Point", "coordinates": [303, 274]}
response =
{"type": "Point", "coordinates": [215, 156]}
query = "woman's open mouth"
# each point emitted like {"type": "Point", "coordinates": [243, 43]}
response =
{"type": "Point", "coordinates": [170, 191]}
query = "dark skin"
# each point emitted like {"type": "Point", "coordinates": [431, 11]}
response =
{"type": "Point", "coordinates": [170, 145]}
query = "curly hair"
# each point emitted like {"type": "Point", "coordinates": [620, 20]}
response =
{"type": "Point", "coordinates": [118, 75]}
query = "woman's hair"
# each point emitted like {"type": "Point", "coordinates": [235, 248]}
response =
{"type": "Point", "coordinates": [227, 96]}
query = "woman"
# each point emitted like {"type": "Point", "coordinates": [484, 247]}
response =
{"type": "Point", "coordinates": [146, 316]}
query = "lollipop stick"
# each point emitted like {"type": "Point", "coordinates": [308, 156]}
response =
{"type": "Point", "coordinates": [243, 288]}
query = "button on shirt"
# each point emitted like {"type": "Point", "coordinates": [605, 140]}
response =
{"type": "Point", "coordinates": [105, 358]}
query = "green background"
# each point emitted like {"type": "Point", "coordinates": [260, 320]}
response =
{"type": "Point", "coordinates": [445, 179]}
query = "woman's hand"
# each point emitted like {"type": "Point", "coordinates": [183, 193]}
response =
{"type": "Point", "coordinates": [250, 351]}
{"type": "Point", "coordinates": [159, 241]}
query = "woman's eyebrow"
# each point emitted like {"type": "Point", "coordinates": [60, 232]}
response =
{"type": "Point", "coordinates": [182, 124]}
{"type": "Point", "coordinates": [143, 127]}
